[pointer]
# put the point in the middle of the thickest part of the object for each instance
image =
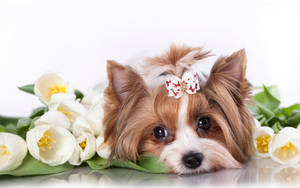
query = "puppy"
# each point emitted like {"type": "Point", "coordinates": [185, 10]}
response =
{"type": "Point", "coordinates": [206, 126]}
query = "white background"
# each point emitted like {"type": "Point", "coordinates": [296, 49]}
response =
{"type": "Point", "coordinates": [76, 38]}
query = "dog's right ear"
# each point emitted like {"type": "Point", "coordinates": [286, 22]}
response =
{"type": "Point", "coordinates": [123, 80]}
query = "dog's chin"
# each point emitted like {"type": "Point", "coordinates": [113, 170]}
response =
{"type": "Point", "coordinates": [215, 157]}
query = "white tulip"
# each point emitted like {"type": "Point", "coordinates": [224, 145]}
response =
{"type": "Point", "coordinates": [256, 123]}
{"type": "Point", "coordinates": [84, 150]}
{"type": "Point", "coordinates": [13, 150]}
{"type": "Point", "coordinates": [50, 144]}
{"type": "Point", "coordinates": [261, 139]}
{"type": "Point", "coordinates": [285, 146]}
{"type": "Point", "coordinates": [95, 117]}
{"type": "Point", "coordinates": [81, 125]}
{"type": "Point", "coordinates": [91, 122]}
{"type": "Point", "coordinates": [61, 97]}
{"type": "Point", "coordinates": [94, 96]}
{"type": "Point", "coordinates": [48, 84]}
{"type": "Point", "coordinates": [103, 149]}
{"type": "Point", "coordinates": [54, 118]}
{"type": "Point", "coordinates": [94, 101]}
{"type": "Point", "coordinates": [70, 108]}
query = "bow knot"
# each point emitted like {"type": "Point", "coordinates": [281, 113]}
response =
{"type": "Point", "coordinates": [176, 86]}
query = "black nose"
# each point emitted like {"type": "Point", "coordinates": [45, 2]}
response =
{"type": "Point", "coordinates": [192, 160]}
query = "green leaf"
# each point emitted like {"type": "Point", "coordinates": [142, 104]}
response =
{"type": "Point", "coordinates": [269, 98]}
{"type": "Point", "coordinates": [32, 122]}
{"type": "Point", "coordinates": [24, 122]}
{"type": "Point", "coordinates": [152, 164]}
{"type": "Point", "coordinates": [146, 164]}
{"type": "Point", "coordinates": [276, 127]}
{"type": "Point", "coordinates": [262, 121]}
{"type": "Point", "coordinates": [31, 167]}
{"type": "Point", "coordinates": [280, 114]}
{"type": "Point", "coordinates": [79, 94]}
{"type": "Point", "coordinates": [2, 129]}
{"type": "Point", "coordinates": [4, 120]}
{"type": "Point", "coordinates": [253, 108]}
{"type": "Point", "coordinates": [10, 128]}
{"type": "Point", "coordinates": [38, 112]}
{"type": "Point", "coordinates": [265, 111]}
{"type": "Point", "coordinates": [27, 88]}
{"type": "Point", "coordinates": [294, 119]}
{"type": "Point", "coordinates": [289, 110]}
{"type": "Point", "coordinates": [272, 120]}
{"type": "Point", "coordinates": [22, 127]}
{"type": "Point", "coordinates": [258, 116]}
{"type": "Point", "coordinates": [272, 89]}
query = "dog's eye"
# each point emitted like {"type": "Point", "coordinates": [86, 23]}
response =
{"type": "Point", "coordinates": [160, 132]}
{"type": "Point", "coordinates": [203, 123]}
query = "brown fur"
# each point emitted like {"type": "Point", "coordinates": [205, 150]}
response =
{"type": "Point", "coordinates": [175, 54]}
{"type": "Point", "coordinates": [132, 110]}
{"type": "Point", "coordinates": [117, 109]}
{"type": "Point", "coordinates": [228, 92]}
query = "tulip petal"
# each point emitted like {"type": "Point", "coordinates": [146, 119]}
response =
{"type": "Point", "coordinates": [261, 139]}
{"type": "Point", "coordinates": [13, 150]}
{"type": "Point", "coordinates": [81, 125]}
{"type": "Point", "coordinates": [61, 97]}
{"type": "Point", "coordinates": [95, 123]}
{"type": "Point", "coordinates": [90, 148]}
{"type": "Point", "coordinates": [54, 118]}
{"type": "Point", "coordinates": [71, 109]}
{"type": "Point", "coordinates": [51, 145]}
{"type": "Point", "coordinates": [94, 96]}
{"type": "Point", "coordinates": [103, 149]}
{"type": "Point", "coordinates": [85, 149]}
{"type": "Point", "coordinates": [75, 158]}
{"type": "Point", "coordinates": [49, 84]}
{"type": "Point", "coordinates": [285, 146]}
{"type": "Point", "coordinates": [256, 123]}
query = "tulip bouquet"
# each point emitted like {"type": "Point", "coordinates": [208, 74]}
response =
{"type": "Point", "coordinates": [66, 132]}
{"type": "Point", "coordinates": [276, 131]}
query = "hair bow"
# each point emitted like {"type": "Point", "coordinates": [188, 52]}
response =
{"type": "Point", "coordinates": [176, 86]}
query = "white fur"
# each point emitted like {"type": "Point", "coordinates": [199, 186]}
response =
{"type": "Point", "coordinates": [186, 62]}
{"type": "Point", "coordinates": [151, 73]}
{"type": "Point", "coordinates": [187, 141]}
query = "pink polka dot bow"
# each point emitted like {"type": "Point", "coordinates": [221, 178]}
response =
{"type": "Point", "coordinates": [176, 86]}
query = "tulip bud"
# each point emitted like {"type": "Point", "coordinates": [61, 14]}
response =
{"type": "Point", "coordinates": [84, 150]}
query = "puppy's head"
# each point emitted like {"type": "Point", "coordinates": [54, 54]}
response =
{"type": "Point", "coordinates": [195, 133]}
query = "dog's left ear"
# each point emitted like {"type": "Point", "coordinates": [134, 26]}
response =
{"type": "Point", "coordinates": [123, 81]}
{"type": "Point", "coordinates": [231, 72]}
{"type": "Point", "coordinates": [236, 65]}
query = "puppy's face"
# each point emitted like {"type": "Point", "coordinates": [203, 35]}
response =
{"type": "Point", "coordinates": [195, 133]}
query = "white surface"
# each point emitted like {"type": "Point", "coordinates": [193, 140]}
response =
{"type": "Point", "coordinates": [257, 173]}
{"type": "Point", "coordinates": [75, 38]}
